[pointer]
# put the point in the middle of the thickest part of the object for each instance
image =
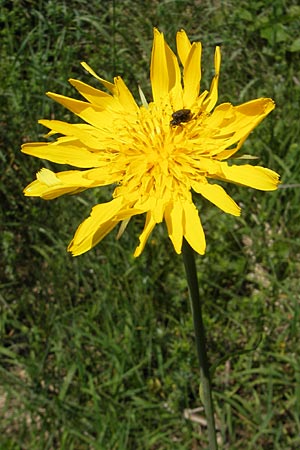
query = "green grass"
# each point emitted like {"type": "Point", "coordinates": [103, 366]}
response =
{"type": "Point", "coordinates": [97, 352]}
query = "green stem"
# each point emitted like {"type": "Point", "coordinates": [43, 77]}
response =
{"type": "Point", "coordinates": [191, 274]}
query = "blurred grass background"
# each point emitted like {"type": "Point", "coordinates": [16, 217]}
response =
{"type": "Point", "coordinates": [97, 352]}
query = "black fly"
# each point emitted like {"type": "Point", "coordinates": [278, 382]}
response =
{"type": "Point", "coordinates": [180, 116]}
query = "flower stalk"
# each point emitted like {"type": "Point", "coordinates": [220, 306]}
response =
{"type": "Point", "coordinates": [206, 397]}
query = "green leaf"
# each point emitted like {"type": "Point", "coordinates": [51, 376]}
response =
{"type": "Point", "coordinates": [295, 46]}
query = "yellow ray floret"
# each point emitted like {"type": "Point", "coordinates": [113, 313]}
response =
{"type": "Point", "coordinates": [155, 155]}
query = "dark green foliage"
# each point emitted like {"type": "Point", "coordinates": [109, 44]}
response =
{"type": "Point", "coordinates": [97, 352]}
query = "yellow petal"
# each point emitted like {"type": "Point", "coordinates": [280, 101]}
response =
{"type": "Point", "coordinates": [183, 46]}
{"type": "Point", "coordinates": [124, 96]}
{"type": "Point", "coordinates": [158, 71]}
{"type": "Point", "coordinates": [149, 225]}
{"type": "Point", "coordinates": [46, 176]}
{"type": "Point", "coordinates": [260, 106]}
{"type": "Point", "coordinates": [193, 231]}
{"type": "Point", "coordinates": [123, 227]}
{"type": "Point", "coordinates": [212, 98]}
{"type": "Point", "coordinates": [93, 95]}
{"type": "Point", "coordinates": [38, 189]}
{"type": "Point", "coordinates": [164, 70]}
{"type": "Point", "coordinates": [110, 86]}
{"type": "Point", "coordinates": [252, 176]}
{"type": "Point", "coordinates": [217, 195]}
{"type": "Point", "coordinates": [234, 123]}
{"type": "Point", "coordinates": [192, 75]}
{"type": "Point", "coordinates": [75, 154]}
{"type": "Point", "coordinates": [250, 114]}
{"type": "Point", "coordinates": [85, 135]}
{"type": "Point", "coordinates": [174, 221]}
{"type": "Point", "coordinates": [93, 114]}
{"type": "Point", "coordinates": [100, 222]}
{"type": "Point", "coordinates": [49, 185]}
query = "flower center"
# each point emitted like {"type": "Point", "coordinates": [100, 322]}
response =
{"type": "Point", "coordinates": [156, 157]}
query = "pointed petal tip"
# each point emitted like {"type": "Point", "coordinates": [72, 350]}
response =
{"type": "Point", "coordinates": [73, 252]}
{"type": "Point", "coordinates": [75, 249]}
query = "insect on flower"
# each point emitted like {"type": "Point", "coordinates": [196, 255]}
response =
{"type": "Point", "coordinates": [180, 116]}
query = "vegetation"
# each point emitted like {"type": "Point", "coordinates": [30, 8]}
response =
{"type": "Point", "coordinates": [97, 352]}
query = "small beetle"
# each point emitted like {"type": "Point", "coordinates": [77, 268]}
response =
{"type": "Point", "coordinates": [182, 115]}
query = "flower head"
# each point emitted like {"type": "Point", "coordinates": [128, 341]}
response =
{"type": "Point", "coordinates": [155, 154]}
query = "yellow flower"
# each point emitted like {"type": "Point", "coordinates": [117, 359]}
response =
{"type": "Point", "coordinates": [156, 154]}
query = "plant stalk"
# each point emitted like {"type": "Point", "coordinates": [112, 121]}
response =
{"type": "Point", "coordinates": [192, 280]}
